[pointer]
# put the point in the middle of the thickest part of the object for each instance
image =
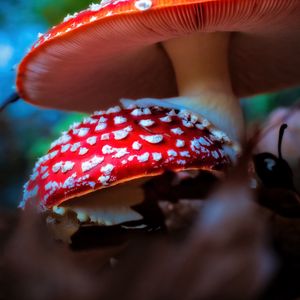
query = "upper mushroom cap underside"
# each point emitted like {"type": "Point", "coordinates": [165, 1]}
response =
{"type": "Point", "coordinates": [119, 145]}
{"type": "Point", "coordinates": [113, 51]}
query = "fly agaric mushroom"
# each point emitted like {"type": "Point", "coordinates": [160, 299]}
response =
{"type": "Point", "coordinates": [111, 152]}
{"type": "Point", "coordinates": [154, 48]}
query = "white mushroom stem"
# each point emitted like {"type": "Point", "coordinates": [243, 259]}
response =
{"type": "Point", "coordinates": [200, 63]}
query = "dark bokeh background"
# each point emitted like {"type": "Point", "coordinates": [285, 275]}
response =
{"type": "Point", "coordinates": [27, 131]}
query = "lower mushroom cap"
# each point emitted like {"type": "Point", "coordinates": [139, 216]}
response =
{"type": "Point", "coordinates": [120, 145]}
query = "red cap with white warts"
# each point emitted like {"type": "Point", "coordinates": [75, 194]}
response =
{"type": "Point", "coordinates": [111, 50]}
{"type": "Point", "coordinates": [122, 144]}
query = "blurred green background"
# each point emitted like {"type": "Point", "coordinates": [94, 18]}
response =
{"type": "Point", "coordinates": [26, 131]}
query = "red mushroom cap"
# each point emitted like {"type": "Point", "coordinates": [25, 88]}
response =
{"type": "Point", "coordinates": [122, 144]}
{"type": "Point", "coordinates": [111, 50]}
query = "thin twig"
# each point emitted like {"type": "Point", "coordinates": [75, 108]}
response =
{"type": "Point", "coordinates": [11, 99]}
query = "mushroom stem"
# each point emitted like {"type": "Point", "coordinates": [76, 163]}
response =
{"type": "Point", "coordinates": [200, 63]}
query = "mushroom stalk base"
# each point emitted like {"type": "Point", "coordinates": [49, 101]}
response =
{"type": "Point", "coordinates": [200, 63]}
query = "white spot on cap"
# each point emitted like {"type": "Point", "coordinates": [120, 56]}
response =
{"type": "Point", "coordinates": [93, 18]}
{"type": "Point", "coordinates": [92, 184]}
{"type": "Point", "coordinates": [105, 136]}
{"type": "Point", "coordinates": [83, 131]}
{"type": "Point", "coordinates": [194, 118]}
{"type": "Point", "coordinates": [99, 113]}
{"type": "Point", "coordinates": [140, 112]}
{"type": "Point", "coordinates": [181, 161]}
{"type": "Point", "coordinates": [204, 123]}
{"type": "Point", "coordinates": [83, 178]}
{"type": "Point", "coordinates": [94, 7]}
{"type": "Point", "coordinates": [172, 113]}
{"type": "Point", "coordinates": [53, 154]}
{"type": "Point", "coordinates": [166, 119]}
{"type": "Point", "coordinates": [92, 163]}
{"type": "Point", "coordinates": [75, 147]}
{"type": "Point", "coordinates": [215, 154]}
{"type": "Point", "coordinates": [152, 139]}
{"type": "Point", "coordinates": [83, 151]}
{"type": "Point", "coordinates": [107, 169]}
{"type": "Point", "coordinates": [146, 123]}
{"type": "Point", "coordinates": [147, 111]}
{"type": "Point", "coordinates": [144, 157]}
{"type": "Point", "coordinates": [184, 114]}
{"type": "Point", "coordinates": [30, 194]}
{"type": "Point", "coordinates": [172, 153]}
{"type": "Point", "coordinates": [200, 126]}
{"type": "Point", "coordinates": [67, 166]}
{"type": "Point", "coordinates": [25, 186]}
{"type": "Point", "coordinates": [58, 33]}
{"type": "Point", "coordinates": [123, 133]}
{"type": "Point", "coordinates": [143, 5]}
{"type": "Point", "coordinates": [120, 134]}
{"type": "Point", "coordinates": [65, 138]}
{"type": "Point", "coordinates": [204, 141]}
{"type": "Point", "coordinates": [52, 185]}
{"type": "Point", "coordinates": [177, 131]}
{"type": "Point", "coordinates": [102, 119]}
{"type": "Point", "coordinates": [70, 182]}
{"type": "Point", "coordinates": [187, 124]}
{"type": "Point", "coordinates": [220, 135]}
{"type": "Point", "coordinates": [107, 149]}
{"type": "Point", "coordinates": [45, 158]}
{"type": "Point", "coordinates": [34, 175]}
{"type": "Point", "coordinates": [45, 175]}
{"type": "Point", "coordinates": [44, 169]}
{"type": "Point", "coordinates": [137, 112]}
{"type": "Point", "coordinates": [104, 180]}
{"type": "Point", "coordinates": [119, 120]}
{"type": "Point", "coordinates": [92, 140]}
{"type": "Point", "coordinates": [180, 143]}
{"type": "Point", "coordinates": [196, 145]}
{"type": "Point", "coordinates": [120, 152]}
{"type": "Point", "coordinates": [100, 126]}
{"type": "Point", "coordinates": [157, 156]}
{"type": "Point", "coordinates": [65, 148]}
{"type": "Point", "coordinates": [70, 17]}
{"type": "Point", "coordinates": [90, 120]}
{"type": "Point", "coordinates": [56, 167]}
{"type": "Point", "coordinates": [185, 154]}
{"type": "Point", "coordinates": [75, 130]}
{"type": "Point", "coordinates": [113, 110]}
{"type": "Point", "coordinates": [136, 145]}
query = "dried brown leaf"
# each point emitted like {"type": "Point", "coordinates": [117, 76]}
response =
{"type": "Point", "coordinates": [34, 267]}
{"type": "Point", "coordinates": [226, 256]}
